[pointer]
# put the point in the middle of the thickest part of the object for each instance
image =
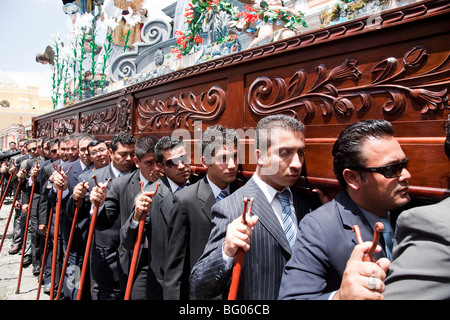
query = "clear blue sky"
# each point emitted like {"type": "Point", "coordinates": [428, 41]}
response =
{"type": "Point", "coordinates": [27, 26]}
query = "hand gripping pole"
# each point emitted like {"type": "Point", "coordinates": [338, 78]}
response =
{"type": "Point", "coordinates": [137, 246]}
{"type": "Point", "coordinates": [239, 259]}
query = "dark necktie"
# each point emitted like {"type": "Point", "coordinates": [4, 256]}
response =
{"type": "Point", "coordinates": [388, 237]}
{"type": "Point", "coordinates": [223, 194]}
{"type": "Point", "coordinates": [288, 221]}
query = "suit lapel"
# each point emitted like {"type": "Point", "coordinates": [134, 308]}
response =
{"type": "Point", "coordinates": [266, 216]}
{"type": "Point", "coordinates": [351, 215]}
{"type": "Point", "coordinates": [206, 197]}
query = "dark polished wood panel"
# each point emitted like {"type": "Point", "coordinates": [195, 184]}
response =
{"type": "Point", "coordinates": [328, 78]}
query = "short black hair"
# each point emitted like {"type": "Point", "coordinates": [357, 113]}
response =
{"type": "Point", "coordinates": [347, 148]}
{"type": "Point", "coordinates": [124, 138]}
{"type": "Point", "coordinates": [215, 137]}
{"type": "Point", "coordinates": [278, 121]}
{"type": "Point", "coordinates": [167, 143]}
{"type": "Point", "coordinates": [144, 145]}
{"type": "Point", "coordinates": [96, 142]}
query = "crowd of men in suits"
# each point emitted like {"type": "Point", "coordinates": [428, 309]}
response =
{"type": "Point", "coordinates": [295, 247]}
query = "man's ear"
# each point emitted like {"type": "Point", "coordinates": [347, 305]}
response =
{"type": "Point", "coordinates": [204, 163]}
{"type": "Point", "coordinates": [258, 156]}
{"type": "Point", "coordinates": [136, 162]}
{"type": "Point", "coordinates": [353, 178]}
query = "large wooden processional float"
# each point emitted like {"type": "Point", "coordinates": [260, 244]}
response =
{"type": "Point", "coordinates": [328, 78]}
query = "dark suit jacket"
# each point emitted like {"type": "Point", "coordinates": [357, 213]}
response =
{"type": "Point", "coordinates": [322, 248]}
{"type": "Point", "coordinates": [263, 263]}
{"type": "Point", "coordinates": [421, 255]}
{"type": "Point", "coordinates": [45, 186]}
{"type": "Point", "coordinates": [188, 232]}
{"type": "Point", "coordinates": [105, 266]}
{"type": "Point", "coordinates": [73, 177]}
{"type": "Point", "coordinates": [155, 232]}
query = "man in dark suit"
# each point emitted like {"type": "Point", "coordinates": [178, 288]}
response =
{"type": "Point", "coordinates": [100, 154]}
{"type": "Point", "coordinates": [371, 168]}
{"type": "Point", "coordinates": [172, 154]}
{"type": "Point", "coordinates": [118, 202]}
{"type": "Point", "coordinates": [105, 267]}
{"type": "Point", "coordinates": [67, 183]}
{"type": "Point", "coordinates": [47, 176]}
{"type": "Point", "coordinates": [265, 239]}
{"type": "Point", "coordinates": [28, 176]}
{"type": "Point", "coordinates": [190, 220]}
{"type": "Point", "coordinates": [421, 256]}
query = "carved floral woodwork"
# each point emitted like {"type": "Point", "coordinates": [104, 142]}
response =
{"type": "Point", "coordinates": [44, 129]}
{"type": "Point", "coordinates": [390, 76]}
{"type": "Point", "coordinates": [182, 110]}
{"type": "Point", "coordinates": [112, 120]}
{"type": "Point", "coordinates": [63, 127]}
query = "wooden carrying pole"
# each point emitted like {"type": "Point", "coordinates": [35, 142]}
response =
{"type": "Point", "coordinates": [56, 233]}
{"type": "Point", "coordinates": [369, 256]}
{"type": "Point", "coordinates": [89, 244]}
{"type": "Point", "coordinates": [239, 259]}
{"type": "Point", "coordinates": [44, 254]}
{"type": "Point", "coordinates": [137, 247]}
{"type": "Point", "coordinates": [69, 247]}
{"type": "Point", "coordinates": [10, 213]}
{"type": "Point", "coordinates": [5, 191]}
{"type": "Point", "coordinates": [24, 243]}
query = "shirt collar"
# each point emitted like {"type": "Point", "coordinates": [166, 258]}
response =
{"type": "Point", "coordinates": [372, 218]}
{"type": "Point", "coordinates": [173, 185]}
{"type": "Point", "coordinates": [269, 191]}
{"type": "Point", "coordinates": [143, 179]}
{"type": "Point", "coordinates": [116, 171]}
{"type": "Point", "coordinates": [215, 189]}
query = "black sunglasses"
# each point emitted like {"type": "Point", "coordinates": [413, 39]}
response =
{"type": "Point", "coordinates": [389, 171]}
{"type": "Point", "coordinates": [175, 161]}
{"type": "Point", "coordinates": [32, 149]}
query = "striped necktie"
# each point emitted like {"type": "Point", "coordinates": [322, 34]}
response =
{"type": "Point", "coordinates": [388, 237]}
{"type": "Point", "coordinates": [223, 194]}
{"type": "Point", "coordinates": [288, 221]}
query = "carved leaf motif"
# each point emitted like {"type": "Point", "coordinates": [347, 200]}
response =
{"type": "Point", "coordinates": [64, 127]}
{"type": "Point", "coordinates": [415, 57]}
{"type": "Point", "coordinates": [44, 129]}
{"type": "Point", "coordinates": [181, 110]}
{"type": "Point", "coordinates": [397, 104]}
{"type": "Point", "coordinates": [429, 99]}
{"type": "Point", "coordinates": [287, 98]}
{"type": "Point", "coordinates": [297, 83]}
{"type": "Point", "coordinates": [268, 97]}
{"type": "Point", "coordinates": [112, 120]}
{"type": "Point", "coordinates": [385, 70]}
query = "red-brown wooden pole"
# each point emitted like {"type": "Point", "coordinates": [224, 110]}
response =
{"type": "Point", "coordinates": [88, 245]}
{"type": "Point", "coordinates": [24, 243]}
{"type": "Point", "coordinates": [6, 189]}
{"type": "Point", "coordinates": [44, 254]}
{"type": "Point", "coordinates": [137, 247]}
{"type": "Point", "coordinates": [10, 213]}
{"type": "Point", "coordinates": [69, 247]}
{"type": "Point", "coordinates": [239, 259]}
{"type": "Point", "coordinates": [56, 233]}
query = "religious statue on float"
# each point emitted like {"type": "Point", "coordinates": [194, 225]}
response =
{"type": "Point", "coordinates": [269, 20]}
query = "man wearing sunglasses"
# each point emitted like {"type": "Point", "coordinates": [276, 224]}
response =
{"type": "Point", "coordinates": [176, 166]}
{"type": "Point", "coordinates": [190, 219]}
{"type": "Point", "coordinates": [327, 262]}
{"type": "Point", "coordinates": [421, 264]}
